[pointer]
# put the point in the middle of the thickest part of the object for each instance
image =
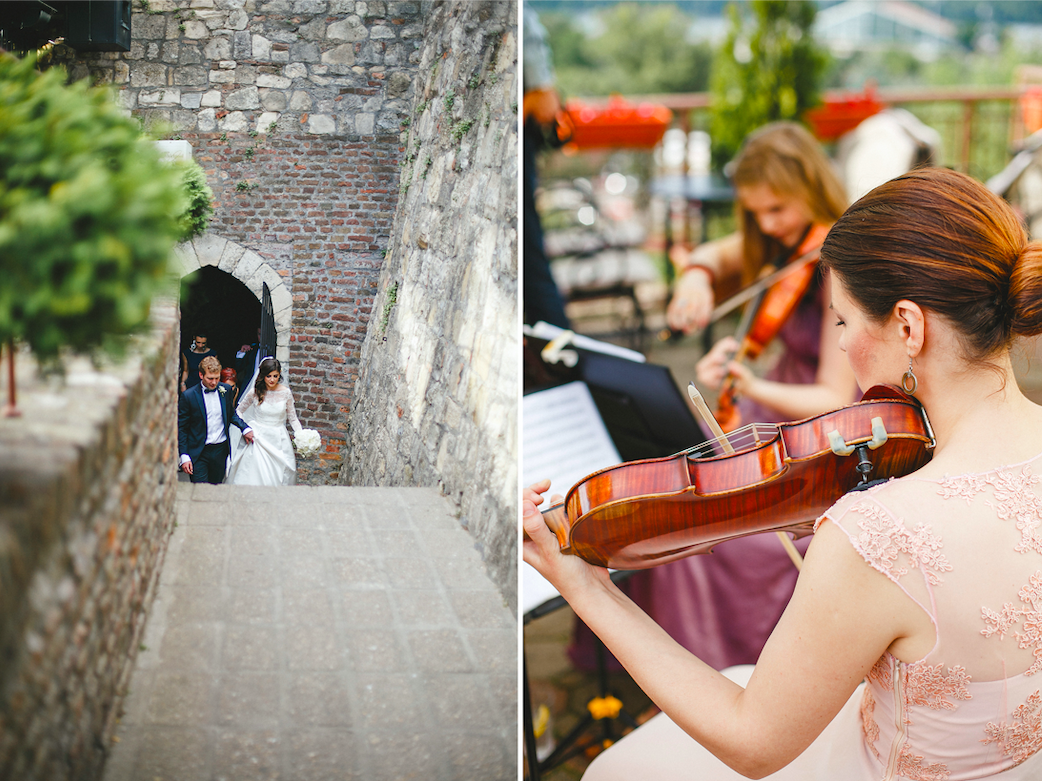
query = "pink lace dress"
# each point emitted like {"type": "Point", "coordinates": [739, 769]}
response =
{"type": "Point", "coordinates": [968, 551]}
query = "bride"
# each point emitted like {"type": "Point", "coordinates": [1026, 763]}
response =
{"type": "Point", "coordinates": [268, 404]}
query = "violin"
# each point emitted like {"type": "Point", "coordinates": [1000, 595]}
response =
{"type": "Point", "coordinates": [765, 315]}
{"type": "Point", "coordinates": [779, 477]}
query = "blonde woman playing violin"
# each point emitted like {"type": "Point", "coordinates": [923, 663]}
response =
{"type": "Point", "coordinates": [784, 185]}
{"type": "Point", "coordinates": [911, 647]}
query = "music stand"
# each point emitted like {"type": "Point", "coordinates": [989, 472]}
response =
{"type": "Point", "coordinates": [646, 416]}
{"type": "Point", "coordinates": [564, 750]}
{"type": "Point", "coordinates": [641, 406]}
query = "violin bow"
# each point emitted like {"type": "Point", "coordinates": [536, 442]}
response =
{"type": "Point", "coordinates": [761, 285]}
{"type": "Point", "coordinates": [710, 420]}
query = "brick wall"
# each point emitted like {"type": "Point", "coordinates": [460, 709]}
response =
{"type": "Point", "coordinates": [437, 392]}
{"type": "Point", "coordinates": [321, 214]}
{"type": "Point", "coordinates": [87, 490]}
{"type": "Point", "coordinates": [294, 109]}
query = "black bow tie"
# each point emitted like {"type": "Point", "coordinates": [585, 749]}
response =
{"type": "Point", "coordinates": [209, 390]}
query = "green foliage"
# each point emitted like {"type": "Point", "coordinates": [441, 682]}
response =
{"type": "Point", "coordinates": [389, 302]}
{"type": "Point", "coordinates": [196, 217]}
{"type": "Point", "coordinates": [88, 213]}
{"type": "Point", "coordinates": [769, 69]}
{"type": "Point", "coordinates": [642, 50]}
{"type": "Point", "coordinates": [461, 128]}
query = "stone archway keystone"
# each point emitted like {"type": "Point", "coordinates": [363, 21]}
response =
{"type": "Point", "coordinates": [249, 268]}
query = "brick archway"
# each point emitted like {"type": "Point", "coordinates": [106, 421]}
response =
{"type": "Point", "coordinates": [249, 268]}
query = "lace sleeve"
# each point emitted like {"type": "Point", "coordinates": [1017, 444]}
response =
{"type": "Point", "coordinates": [247, 401]}
{"type": "Point", "coordinates": [291, 412]}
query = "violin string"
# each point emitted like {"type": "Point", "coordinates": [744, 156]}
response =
{"type": "Point", "coordinates": [744, 438]}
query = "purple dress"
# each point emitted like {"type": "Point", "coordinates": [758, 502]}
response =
{"type": "Point", "coordinates": [723, 606]}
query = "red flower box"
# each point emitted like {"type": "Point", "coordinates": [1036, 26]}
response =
{"type": "Point", "coordinates": [841, 115]}
{"type": "Point", "coordinates": [619, 125]}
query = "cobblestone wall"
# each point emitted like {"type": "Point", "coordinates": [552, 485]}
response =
{"type": "Point", "coordinates": [87, 488]}
{"type": "Point", "coordinates": [437, 392]}
{"type": "Point", "coordinates": [294, 108]}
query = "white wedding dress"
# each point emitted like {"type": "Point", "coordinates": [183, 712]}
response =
{"type": "Point", "coordinates": [270, 459]}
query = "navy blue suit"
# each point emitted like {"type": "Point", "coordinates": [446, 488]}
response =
{"type": "Point", "coordinates": [208, 461]}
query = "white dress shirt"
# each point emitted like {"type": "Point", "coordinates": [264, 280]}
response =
{"type": "Point", "coordinates": [214, 417]}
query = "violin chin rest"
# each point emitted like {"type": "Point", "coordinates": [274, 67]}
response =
{"type": "Point", "coordinates": [869, 484]}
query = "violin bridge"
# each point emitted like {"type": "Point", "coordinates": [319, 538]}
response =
{"type": "Point", "coordinates": [841, 448]}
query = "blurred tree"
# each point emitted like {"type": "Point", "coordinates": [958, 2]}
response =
{"type": "Point", "coordinates": [894, 66]}
{"type": "Point", "coordinates": [642, 49]}
{"type": "Point", "coordinates": [88, 213]}
{"type": "Point", "coordinates": [769, 68]}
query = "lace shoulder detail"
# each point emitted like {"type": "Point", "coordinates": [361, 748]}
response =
{"type": "Point", "coordinates": [889, 545]}
{"type": "Point", "coordinates": [246, 401]}
{"type": "Point", "coordinates": [1013, 498]}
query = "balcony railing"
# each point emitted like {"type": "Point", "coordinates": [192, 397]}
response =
{"type": "Point", "coordinates": [978, 125]}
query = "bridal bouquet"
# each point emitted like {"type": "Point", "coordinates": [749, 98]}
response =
{"type": "Point", "coordinates": [307, 442]}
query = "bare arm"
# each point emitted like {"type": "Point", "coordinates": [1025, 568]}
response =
{"type": "Point", "coordinates": [693, 298]}
{"type": "Point", "coordinates": [834, 385]}
{"type": "Point", "coordinates": [841, 619]}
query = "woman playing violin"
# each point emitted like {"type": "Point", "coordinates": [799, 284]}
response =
{"type": "Point", "coordinates": [723, 607]}
{"type": "Point", "coordinates": [784, 185]}
{"type": "Point", "coordinates": [911, 647]}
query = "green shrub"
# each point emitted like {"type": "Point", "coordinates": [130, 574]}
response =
{"type": "Point", "coordinates": [196, 217]}
{"type": "Point", "coordinates": [88, 213]}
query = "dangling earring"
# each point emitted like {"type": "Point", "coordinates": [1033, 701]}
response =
{"type": "Point", "coordinates": [909, 382]}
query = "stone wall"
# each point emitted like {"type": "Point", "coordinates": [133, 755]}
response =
{"type": "Point", "coordinates": [295, 110]}
{"type": "Point", "coordinates": [354, 147]}
{"type": "Point", "coordinates": [437, 394]}
{"type": "Point", "coordinates": [87, 490]}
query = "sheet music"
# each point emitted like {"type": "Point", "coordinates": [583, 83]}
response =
{"type": "Point", "coordinates": [563, 438]}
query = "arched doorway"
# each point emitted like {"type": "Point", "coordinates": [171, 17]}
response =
{"type": "Point", "coordinates": [217, 304]}
{"type": "Point", "coordinates": [214, 254]}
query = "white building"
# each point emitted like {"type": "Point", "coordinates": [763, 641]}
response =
{"type": "Point", "coordinates": [867, 25]}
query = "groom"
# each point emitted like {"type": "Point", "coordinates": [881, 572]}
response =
{"type": "Point", "coordinates": [204, 413]}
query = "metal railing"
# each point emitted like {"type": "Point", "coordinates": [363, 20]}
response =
{"type": "Point", "coordinates": [979, 126]}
